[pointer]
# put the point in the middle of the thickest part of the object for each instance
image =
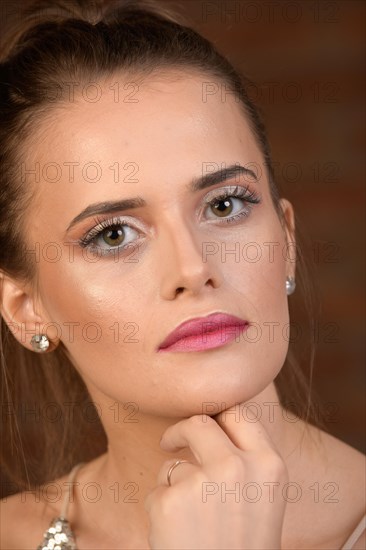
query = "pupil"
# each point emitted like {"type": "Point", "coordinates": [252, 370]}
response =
{"type": "Point", "coordinates": [114, 233]}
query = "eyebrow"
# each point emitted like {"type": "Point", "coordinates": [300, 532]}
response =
{"type": "Point", "coordinates": [196, 184]}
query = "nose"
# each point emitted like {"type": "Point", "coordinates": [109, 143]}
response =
{"type": "Point", "coordinates": [183, 269]}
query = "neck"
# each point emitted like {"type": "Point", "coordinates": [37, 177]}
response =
{"type": "Point", "coordinates": [129, 469]}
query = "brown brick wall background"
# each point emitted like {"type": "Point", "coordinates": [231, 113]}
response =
{"type": "Point", "coordinates": [308, 59]}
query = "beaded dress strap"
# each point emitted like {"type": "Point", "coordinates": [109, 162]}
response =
{"type": "Point", "coordinates": [59, 535]}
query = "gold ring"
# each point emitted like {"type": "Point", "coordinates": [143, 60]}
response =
{"type": "Point", "coordinates": [172, 468]}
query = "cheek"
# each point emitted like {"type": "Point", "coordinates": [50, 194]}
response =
{"type": "Point", "coordinates": [98, 316]}
{"type": "Point", "coordinates": [259, 280]}
{"type": "Point", "coordinates": [258, 267]}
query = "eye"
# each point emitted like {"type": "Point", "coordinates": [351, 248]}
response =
{"type": "Point", "coordinates": [116, 234]}
{"type": "Point", "coordinates": [229, 202]}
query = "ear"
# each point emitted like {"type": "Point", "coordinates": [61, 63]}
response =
{"type": "Point", "coordinates": [18, 308]}
{"type": "Point", "coordinates": [289, 228]}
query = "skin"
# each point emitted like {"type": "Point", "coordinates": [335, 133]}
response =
{"type": "Point", "coordinates": [169, 133]}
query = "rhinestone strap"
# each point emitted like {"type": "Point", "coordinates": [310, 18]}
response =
{"type": "Point", "coordinates": [58, 536]}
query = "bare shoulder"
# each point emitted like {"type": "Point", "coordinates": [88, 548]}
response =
{"type": "Point", "coordinates": [331, 477]}
{"type": "Point", "coordinates": [18, 517]}
{"type": "Point", "coordinates": [25, 516]}
{"type": "Point", "coordinates": [347, 464]}
{"type": "Point", "coordinates": [344, 469]}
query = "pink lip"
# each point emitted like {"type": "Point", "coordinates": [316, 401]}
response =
{"type": "Point", "coordinates": [203, 333]}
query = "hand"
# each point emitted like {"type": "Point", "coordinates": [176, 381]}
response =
{"type": "Point", "coordinates": [198, 511]}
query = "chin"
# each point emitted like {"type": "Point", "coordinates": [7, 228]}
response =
{"type": "Point", "coordinates": [209, 400]}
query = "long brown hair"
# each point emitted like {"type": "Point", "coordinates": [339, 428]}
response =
{"type": "Point", "coordinates": [45, 427]}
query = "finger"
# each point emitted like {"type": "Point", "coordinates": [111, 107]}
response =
{"type": "Point", "coordinates": [207, 441]}
{"type": "Point", "coordinates": [244, 428]}
{"type": "Point", "coordinates": [153, 496]}
{"type": "Point", "coordinates": [179, 472]}
{"type": "Point", "coordinates": [156, 493]}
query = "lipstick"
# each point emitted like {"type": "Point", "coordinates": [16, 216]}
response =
{"type": "Point", "coordinates": [204, 333]}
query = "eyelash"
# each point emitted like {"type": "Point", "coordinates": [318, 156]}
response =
{"type": "Point", "coordinates": [102, 224]}
{"type": "Point", "coordinates": [251, 197]}
{"type": "Point", "coordinates": [238, 193]}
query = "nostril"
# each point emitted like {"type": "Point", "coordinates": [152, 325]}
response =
{"type": "Point", "coordinates": [179, 290]}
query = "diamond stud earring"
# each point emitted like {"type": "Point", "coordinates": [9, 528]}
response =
{"type": "Point", "coordinates": [290, 285]}
{"type": "Point", "coordinates": [40, 343]}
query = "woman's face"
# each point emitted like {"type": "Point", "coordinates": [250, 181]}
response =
{"type": "Point", "coordinates": [113, 310]}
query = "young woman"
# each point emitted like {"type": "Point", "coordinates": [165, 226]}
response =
{"type": "Point", "coordinates": [147, 266]}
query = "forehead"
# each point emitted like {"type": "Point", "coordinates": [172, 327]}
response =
{"type": "Point", "coordinates": [170, 116]}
